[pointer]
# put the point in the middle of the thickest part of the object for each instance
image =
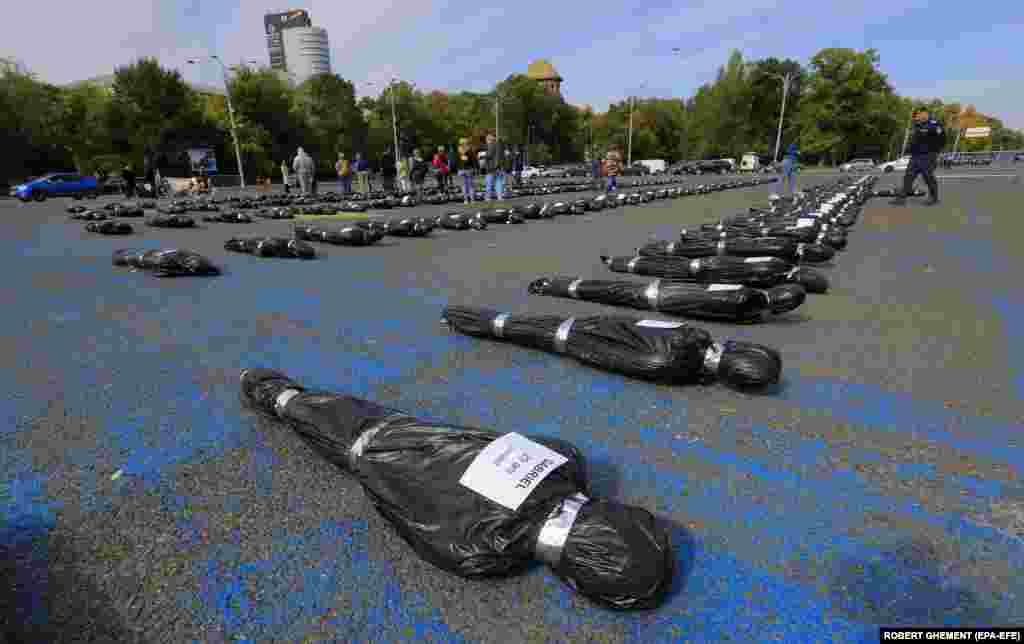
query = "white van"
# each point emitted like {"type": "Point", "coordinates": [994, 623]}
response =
{"type": "Point", "coordinates": [751, 162]}
{"type": "Point", "coordinates": [656, 166]}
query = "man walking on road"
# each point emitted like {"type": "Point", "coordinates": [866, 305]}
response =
{"type": "Point", "coordinates": [304, 167]}
{"type": "Point", "coordinates": [495, 163]}
{"type": "Point", "coordinates": [929, 137]}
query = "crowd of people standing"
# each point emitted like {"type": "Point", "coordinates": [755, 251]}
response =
{"type": "Point", "coordinates": [494, 162]}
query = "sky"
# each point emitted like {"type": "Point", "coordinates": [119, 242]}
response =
{"type": "Point", "coordinates": [956, 51]}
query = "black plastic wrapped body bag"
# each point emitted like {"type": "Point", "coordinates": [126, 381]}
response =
{"type": "Point", "coordinates": [668, 352]}
{"type": "Point", "coordinates": [759, 272]}
{"type": "Point", "coordinates": [475, 502]}
{"type": "Point", "coordinates": [733, 302]}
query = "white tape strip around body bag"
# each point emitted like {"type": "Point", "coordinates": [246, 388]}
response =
{"type": "Point", "coordinates": [555, 531]}
{"type": "Point", "coordinates": [510, 468]}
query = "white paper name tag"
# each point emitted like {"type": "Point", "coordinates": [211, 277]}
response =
{"type": "Point", "coordinates": [511, 467]}
{"type": "Point", "coordinates": [724, 287]}
{"type": "Point", "coordinates": [804, 222]}
{"type": "Point", "coordinates": [658, 324]}
{"type": "Point", "coordinates": [758, 260]}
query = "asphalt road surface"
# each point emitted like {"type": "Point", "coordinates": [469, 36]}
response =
{"type": "Point", "coordinates": [880, 484]}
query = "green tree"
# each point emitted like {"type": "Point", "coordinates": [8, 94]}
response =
{"type": "Point", "coordinates": [83, 124]}
{"type": "Point", "coordinates": [148, 103]}
{"type": "Point", "coordinates": [326, 103]}
{"type": "Point", "coordinates": [842, 109]}
{"type": "Point", "coordinates": [30, 111]}
{"type": "Point", "coordinates": [765, 95]}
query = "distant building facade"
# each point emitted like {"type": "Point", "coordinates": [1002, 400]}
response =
{"type": "Point", "coordinates": [307, 51]}
{"type": "Point", "coordinates": [297, 49]}
{"type": "Point", "coordinates": [544, 73]}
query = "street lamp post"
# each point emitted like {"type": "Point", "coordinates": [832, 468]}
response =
{"type": "Point", "coordinates": [231, 114]}
{"type": "Point", "coordinates": [394, 114]}
{"type": "Point", "coordinates": [787, 80]}
{"type": "Point", "coordinates": [629, 153]}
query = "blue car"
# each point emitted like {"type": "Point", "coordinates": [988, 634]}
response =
{"type": "Point", "coordinates": [55, 184]}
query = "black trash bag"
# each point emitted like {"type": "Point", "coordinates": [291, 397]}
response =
{"type": "Point", "coordinates": [166, 263]}
{"type": "Point", "coordinates": [271, 247]}
{"type": "Point", "coordinates": [500, 216]}
{"type": "Point", "coordinates": [171, 221]}
{"type": "Point", "coordinates": [597, 204]}
{"type": "Point", "coordinates": [90, 215]}
{"type": "Point", "coordinates": [460, 221]}
{"type": "Point", "coordinates": [352, 206]}
{"type": "Point", "coordinates": [423, 478]}
{"type": "Point", "coordinates": [531, 211]}
{"type": "Point", "coordinates": [733, 302]}
{"type": "Point", "coordinates": [76, 210]}
{"type": "Point", "coordinates": [126, 210]}
{"type": "Point", "coordinates": [407, 227]}
{"type": "Point", "coordinates": [347, 236]}
{"type": "Point", "coordinates": [109, 227]}
{"type": "Point", "coordinates": [578, 207]}
{"type": "Point", "coordinates": [229, 218]}
{"type": "Point", "coordinates": [172, 209]}
{"type": "Point", "coordinates": [147, 205]}
{"type": "Point", "coordinates": [378, 227]}
{"type": "Point", "coordinates": [670, 352]}
{"type": "Point", "coordinates": [759, 272]}
{"type": "Point", "coordinates": [787, 249]}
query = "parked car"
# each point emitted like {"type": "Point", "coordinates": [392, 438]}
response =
{"type": "Point", "coordinates": [714, 166]}
{"type": "Point", "coordinates": [636, 170]}
{"type": "Point", "coordinates": [55, 184]}
{"type": "Point", "coordinates": [858, 165]}
{"type": "Point", "coordinates": [530, 172]}
{"type": "Point", "coordinates": [900, 165]}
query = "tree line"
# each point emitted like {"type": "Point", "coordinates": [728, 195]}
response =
{"type": "Point", "coordinates": [841, 104]}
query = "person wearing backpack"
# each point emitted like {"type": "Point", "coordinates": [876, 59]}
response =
{"type": "Point", "coordinates": [344, 170]}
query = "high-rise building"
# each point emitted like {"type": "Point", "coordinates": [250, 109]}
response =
{"type": "Point", "coordinates": [307, 51]}
{"type": "Point", "coordinates": [275, 25]}
{"type": "Point", "coordinates": [544, 73]}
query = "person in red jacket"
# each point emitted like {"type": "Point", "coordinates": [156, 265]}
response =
{"type": "Point", "coordinates": [441, 167]}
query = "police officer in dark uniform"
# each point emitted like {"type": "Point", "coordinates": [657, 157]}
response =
{"type": "Point", "coordinates": [927, 141]}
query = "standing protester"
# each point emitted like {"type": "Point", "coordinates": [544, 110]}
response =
{"type": "Point", "coordinates": [403, 175]}
{"type": "Point", "coordinates": [418, 174]}
{"type": "Point", "coordinates": [362, 174]}
{"type": "Point", "coordinates": [304, 167]}
{"type": "Point", "coordinates": [129, 180]}
{"type": "Point", "coordinates": [595, 169]}
{"type": "Point", "coordinates": [790, 165]}
{"type": "Point", "coordinates": [149, 167]}
{"type": "Point", "coordinates": [495, 163]}
{"type": "Point", "coordinates": [613, 166]}
{"type": "Point", "coordinates": [344, 170]}
{"type": "Point", "coordinates": [929, 138]}
{"type": "Point", "coordinates": [285, 177]}
{"type": "Point", "coordinates": [440, 164]}
{"type": "Point", "coordinates": [467, 161]}
{"type": "Point", "coordinates": [387, 171]}
{"type": "Point", "coordinates": [517, 167]}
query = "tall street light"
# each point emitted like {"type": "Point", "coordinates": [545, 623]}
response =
{"type": "Point", "coordinates": [632, 102]}
{"type": "Point", "coordinates": [787, 81]}
{"type": "Point", "coordinates": [394, 117]}
{"type": "Point", "coordinates": [231, 112]}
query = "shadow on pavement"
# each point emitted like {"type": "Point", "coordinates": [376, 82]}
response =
{"type": "Point", "coordinates": [45, 598]}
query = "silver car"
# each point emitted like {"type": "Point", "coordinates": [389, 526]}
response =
{"type": "Point", "coordinates": [858, 165]}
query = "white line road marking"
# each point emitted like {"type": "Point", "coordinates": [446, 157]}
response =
{"type": "Point", "coordinates": [973, 176]}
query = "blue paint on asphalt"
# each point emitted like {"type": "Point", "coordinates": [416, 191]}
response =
{"type": "Point", "coordinates": [809, 519]}
{"type": "Point", "coordinates": [300, 597]}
